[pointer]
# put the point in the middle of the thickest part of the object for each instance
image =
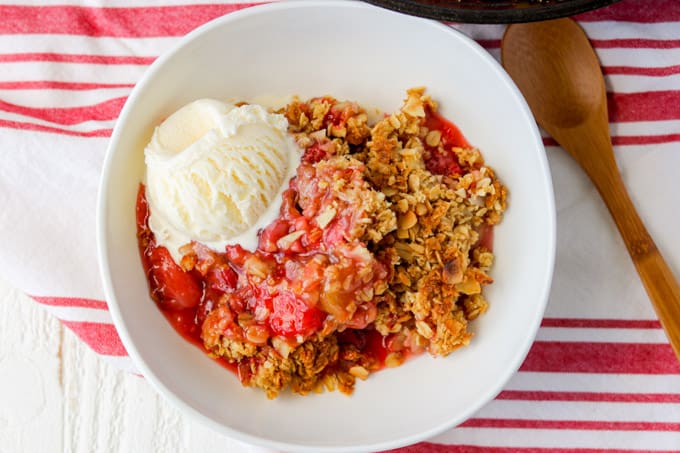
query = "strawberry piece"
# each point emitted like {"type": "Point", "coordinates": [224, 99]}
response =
{"type": "Point", "coordinates": [172, 287]}
{"type": "Point", "coordinates": [291, 316]}
{"type": "Point", "coordinates": [313, 154]}
{"type": "Point", "coordinates": [443, 163]}
{"type": "Point", "coordinates": [222, 279]}
{"type": "Point", "coordinates": [272, 234]}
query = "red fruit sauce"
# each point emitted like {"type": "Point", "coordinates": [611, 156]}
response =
{"type": "Point", "coordinates": [444, 163]}
{"type": "Point", "coordinates": [291, 299]}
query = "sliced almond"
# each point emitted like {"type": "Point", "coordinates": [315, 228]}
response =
{"type": "Point", "coordinates": [433, 138]}
{"type": "Point", "coordinates": [326, 216]}
{"type": "Point", "coordinates": [469, 287]}
{"type": "Point", "coordinates": [408, 220]}
{"type": "Point", "coordinates": [286, 241]}
{"type": "Point", "coordinates": [359, 372]}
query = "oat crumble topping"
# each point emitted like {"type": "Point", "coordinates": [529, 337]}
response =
{"type": "Point", "coordinates": [406, 243]}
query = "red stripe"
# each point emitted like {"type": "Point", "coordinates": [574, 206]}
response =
{"type": "Point", "coordinates": [589, 396]}
{"type": "Point", "coordinates": [569, 424]}
{"type": "Point", "coordinates": [636, 43]}
{"type": "Point", "coordinates": [647, 11]}
{"type": "Point", "coordinates": [644, 106]}
{"type": "Point", "coordinates": [76, 58]}
{"type": "Point", "coordinates": [430, 447]}
{"type": "Point", "coordinates": [119, 22]}
{"type": "Point", "coordinates": [602, 323]}
{"type": "Point", "coordinates": [632, 70]}
{"type": "Point", "coordinates": [645, 139]}
{"type": "Point", "coordinates": [102, 338]}
{"type": "Point", "coordinates": [68, 116]}
{"type": "Point", "coordinates": [583, 357]}
{"type": "Point", "coordinates": [55, 85]}
{"type": "Point", "coordinates": [55, 130]}
{"type": "Point", "coordinates": [71, 302]}
{"type": "Point", "coordinates": [489, 44]}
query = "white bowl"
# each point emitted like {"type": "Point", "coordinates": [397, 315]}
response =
{"type": "Point", "coordinates": [354, 51]}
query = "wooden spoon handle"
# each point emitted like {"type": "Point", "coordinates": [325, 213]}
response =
{"type": "Point", "coordinates": [661, 285]}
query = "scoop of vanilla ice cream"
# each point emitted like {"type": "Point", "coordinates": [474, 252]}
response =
{"type": "Point", "coordinates": [215, 173]}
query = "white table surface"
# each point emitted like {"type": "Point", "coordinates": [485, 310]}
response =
{"type": "Point", "coordinates": [56, 395]}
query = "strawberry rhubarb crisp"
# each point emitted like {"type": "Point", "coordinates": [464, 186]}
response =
{"type": "Point", "coordinates": [380, 250]}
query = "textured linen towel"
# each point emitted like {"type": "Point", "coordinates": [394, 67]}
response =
{"type": "Point", "coordinates": [600, 375]}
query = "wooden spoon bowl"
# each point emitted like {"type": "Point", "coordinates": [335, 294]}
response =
{"type": "Point", "coordinates": [557, 71]}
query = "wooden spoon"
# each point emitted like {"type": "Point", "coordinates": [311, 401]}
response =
{"type": "Point", "coordinates": [555, 67]}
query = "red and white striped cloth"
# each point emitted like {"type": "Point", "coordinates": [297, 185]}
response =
{"type": "Point", "coordinates": [600, 376]}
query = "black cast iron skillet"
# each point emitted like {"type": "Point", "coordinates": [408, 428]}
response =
{"type": "Point", "coordinates": [492, 11]}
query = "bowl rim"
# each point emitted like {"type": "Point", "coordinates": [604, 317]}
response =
{"type": "Point", "coordinates": [489, 15]}
{"type": "Point", "coordinates": [103, 247]}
